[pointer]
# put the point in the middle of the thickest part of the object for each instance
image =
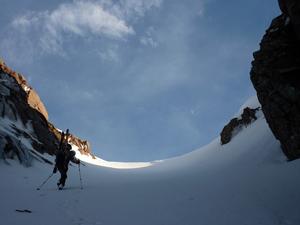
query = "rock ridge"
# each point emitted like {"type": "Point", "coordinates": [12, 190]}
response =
{"type": "Point", "coordinates": [275, 76]}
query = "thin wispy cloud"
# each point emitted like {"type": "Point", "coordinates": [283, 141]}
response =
{"type": "Point", "coordinates": [79, 19]}
{"type": "Point", "coordinates": [110, 54]}
{"type": "Point", "coordinates": [149, 39]}
{"type": "Point", "coordinates": [130, 9]}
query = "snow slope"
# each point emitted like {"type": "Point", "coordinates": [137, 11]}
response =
{"type": "Point", "coordinates": [245, 182]}
{"type": "Point", "coordinates": [94, 160]}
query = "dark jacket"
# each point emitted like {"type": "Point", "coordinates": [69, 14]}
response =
{"type": "Point", "coordinates": [63, 158]}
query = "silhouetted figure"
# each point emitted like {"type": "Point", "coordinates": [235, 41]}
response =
{"type": "Point", "coordinates": [63, 158]}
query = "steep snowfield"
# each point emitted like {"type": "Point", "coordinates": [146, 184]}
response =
{"type": "Point", "coordinates": [245, 182]}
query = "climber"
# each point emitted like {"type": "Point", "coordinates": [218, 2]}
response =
{"type": "Point", "coordinates": [63, 158]}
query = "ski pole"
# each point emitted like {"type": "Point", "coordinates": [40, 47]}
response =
{"type": "Point", "coordinates": [38, 188]}
{"type": "Point", "coordinates": [81, 186]}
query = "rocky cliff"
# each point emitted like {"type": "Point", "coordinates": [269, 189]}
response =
{"type": "Point", "coordinates": [275, 75]}
{"type": "Point", "coordinates": [25, 131]}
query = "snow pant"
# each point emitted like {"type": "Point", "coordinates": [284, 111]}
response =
{"type": "Point", "coordinates": [63, 176]}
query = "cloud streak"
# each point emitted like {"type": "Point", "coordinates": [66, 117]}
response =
{"type": "Point", "coordinates": [48, 31]}
{"type": "Point", "coordinates": [79, 18]}
{"type": "Point", "coordinates": [148, 39]}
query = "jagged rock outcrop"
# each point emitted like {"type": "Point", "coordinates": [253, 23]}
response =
{"type": "Point", "coordinates": [275, 75]}
{"type": "Point", "coordinates": [25, 131]}
{"type": "Point", "coordinates": [21, 124]}
{"type": "Point", "coordinates": [236, 124]}
{"type": "Point", "coordinates": [32, 97]}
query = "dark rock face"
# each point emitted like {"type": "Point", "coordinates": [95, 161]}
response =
{"type": "Point", "coordinates": [236, 124]}
{"type": "Point", "coordinates": [291, 9]}
{"type": "Point", "coordinates": [275, 75]}
{"type": "Point", "coordinates": [25, 131]}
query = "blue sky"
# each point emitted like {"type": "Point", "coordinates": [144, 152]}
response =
{"type": "Point", "coordinates": [140, 79]}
